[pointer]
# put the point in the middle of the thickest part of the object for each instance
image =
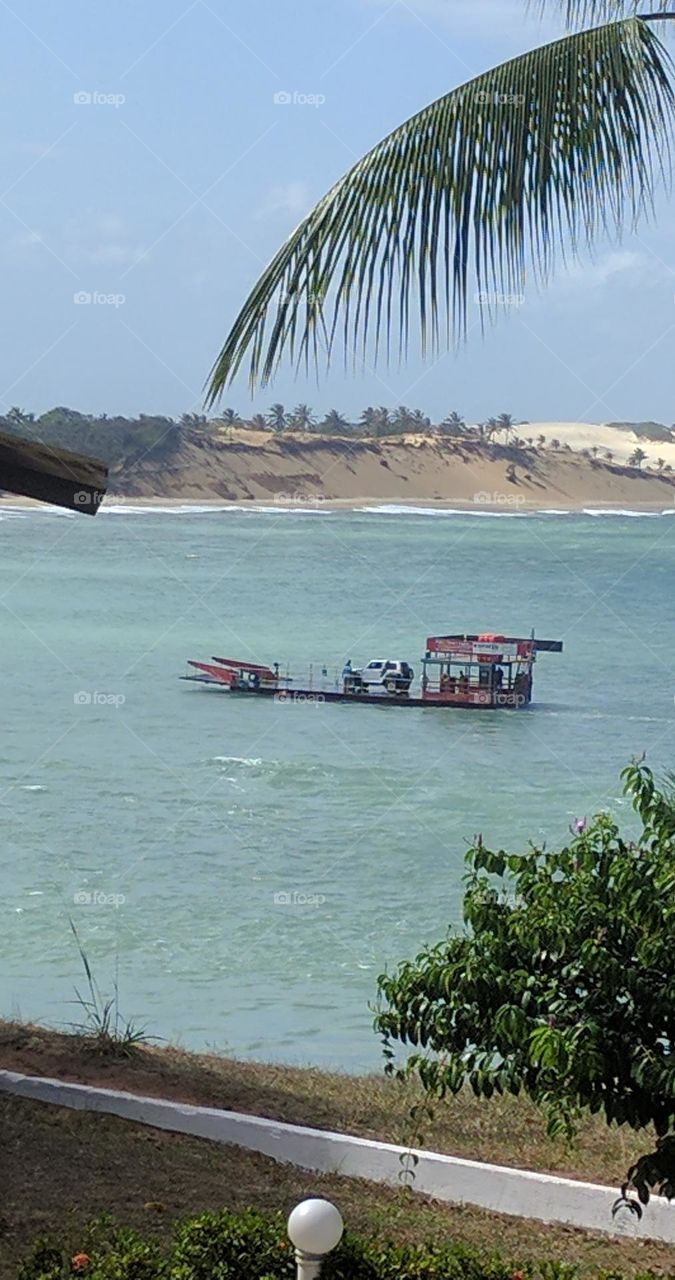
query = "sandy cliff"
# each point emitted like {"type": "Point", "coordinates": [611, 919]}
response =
{"type": "Point", "coordinates": [242, 465]}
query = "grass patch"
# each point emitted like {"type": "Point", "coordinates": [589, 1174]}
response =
{"type": "Point", "coordinates": [505, 1130]}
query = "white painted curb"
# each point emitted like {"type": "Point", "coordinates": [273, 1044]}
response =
{"type": "Point", "coordinates": [513, 1191]}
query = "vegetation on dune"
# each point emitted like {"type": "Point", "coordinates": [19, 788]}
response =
{"type": "Point", "coordinates": [561, 986]}
{"type": "Point", "coordinates": [637, 457]}
{"type": "Point", "coordinates": [118, 436]}
{"type": "Point", "coordinates": [655, 432]}
{"type": "Point", "coordinates": [550, 149]}
{"type": "Point", "coordinates": [155, 440]}
{"type": "Point", "coordinates": [117, 441]}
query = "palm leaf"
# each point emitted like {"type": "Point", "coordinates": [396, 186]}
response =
{"type": "Point", "coordinates": [554, 145]}
{"type": "Point", "coordinates": [580, 11]}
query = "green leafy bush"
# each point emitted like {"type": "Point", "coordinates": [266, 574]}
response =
{"type": "Point", "coordinates": [108, 1253]}
{"type": "Point", "coordinates": [254, 1246]}
{"type": "Point", "coordinates": [561, 985]}
{"type": "Point", "coordinates": [225, 1246]}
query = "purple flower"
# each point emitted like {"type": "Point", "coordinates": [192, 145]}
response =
{"type": "Point", "coordinates": [578, 826]}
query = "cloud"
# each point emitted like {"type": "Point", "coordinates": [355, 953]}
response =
{"type": "Point", "coordinates": [118, 255]}
{"type": "Point", "coordinates": [101, 239]}
{"type": "Point", "coordinates": [36, 150]}
{"type": "Point", "coordinates": [289, 198]}
{"type": "Point", "coordinates": [26, 240]}
{"type": "Point", "coordinates": [628, 265]}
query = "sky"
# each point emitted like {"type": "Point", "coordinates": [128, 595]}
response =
{"type": "Point", "coordinates": [152, 163]}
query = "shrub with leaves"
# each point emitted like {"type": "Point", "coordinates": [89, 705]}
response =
{"type": "Point", "coordinates": [228, 1246]}
{"type": "Point", "coordinates": [112, 1253]}
{"type": "Point", "coordinates": [562, 984]}
{"type": "Point", "coordinates": [254, 1246]}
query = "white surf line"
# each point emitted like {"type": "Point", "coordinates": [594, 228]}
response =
{"type": "Point", "coordinates": [518, 1192]}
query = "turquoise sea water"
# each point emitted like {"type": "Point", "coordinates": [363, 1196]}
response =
{"type": "Point", "coordinates": [167, 819]}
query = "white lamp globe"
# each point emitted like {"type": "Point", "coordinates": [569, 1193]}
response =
{"type": "Point", "coordinates": [315, 1226]}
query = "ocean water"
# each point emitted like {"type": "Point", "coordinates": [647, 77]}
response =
{"type": "Point", "coordinates": [243, 870]}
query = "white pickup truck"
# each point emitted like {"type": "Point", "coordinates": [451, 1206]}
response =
{"type": "Point", "coordinates": [386, 674]}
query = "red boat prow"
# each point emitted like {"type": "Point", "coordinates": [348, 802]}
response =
{"type": "Point", "coordinates": [265, 673]}
{"type": "Point", "coordinates": [220, 674]}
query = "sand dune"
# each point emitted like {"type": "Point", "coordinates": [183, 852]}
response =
{"type": "Point", "coordinates": [296, 469]}
{"type": "Point", "coordinates": [582, 435]}
{"type": "Point", "coordinates": [578, 465]}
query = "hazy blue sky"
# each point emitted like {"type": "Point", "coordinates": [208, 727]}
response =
{"type": "Point", "coordinates": [181, 176]}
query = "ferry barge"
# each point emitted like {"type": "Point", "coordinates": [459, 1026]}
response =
{"type": "Point", "coordinates": [477, 672]}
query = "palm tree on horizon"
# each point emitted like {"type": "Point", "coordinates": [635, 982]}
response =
{"type": "Point", "coordinates": [490, 428]}
{"type": "Point", "coordinates": [335, 422]}
{"type": "Point", "coordinates": [453, 425]}
{"type": "Point", "coordinates": [230, 417]}
{"type": "Point", "coordinates": [276, 417]}
{"type": "Point", "coordinates": [543, 152]}
{"type": "Point", "coordinates": [401, 418]}
{"type": "Point", "coordinates": [302, 418]}
{"type": "Point", "coordinates": [376, 422]}
{"type": "Point", "coordinates": [506, 424]}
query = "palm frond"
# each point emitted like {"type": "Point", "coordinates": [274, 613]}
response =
{"type": "Point", "coordinates": [577, 12]}
{"type": "Point", "coordinates": [554, 145]}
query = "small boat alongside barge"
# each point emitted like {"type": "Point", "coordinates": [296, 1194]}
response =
{"type": "Point", "coordinates": [476, 672]}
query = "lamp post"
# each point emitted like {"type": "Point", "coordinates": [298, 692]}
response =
{"type": "Point", "coordinates": [314, 1227]}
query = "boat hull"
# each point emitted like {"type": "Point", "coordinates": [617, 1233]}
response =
{"type": "Point", "coordinates": [505, 702]}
